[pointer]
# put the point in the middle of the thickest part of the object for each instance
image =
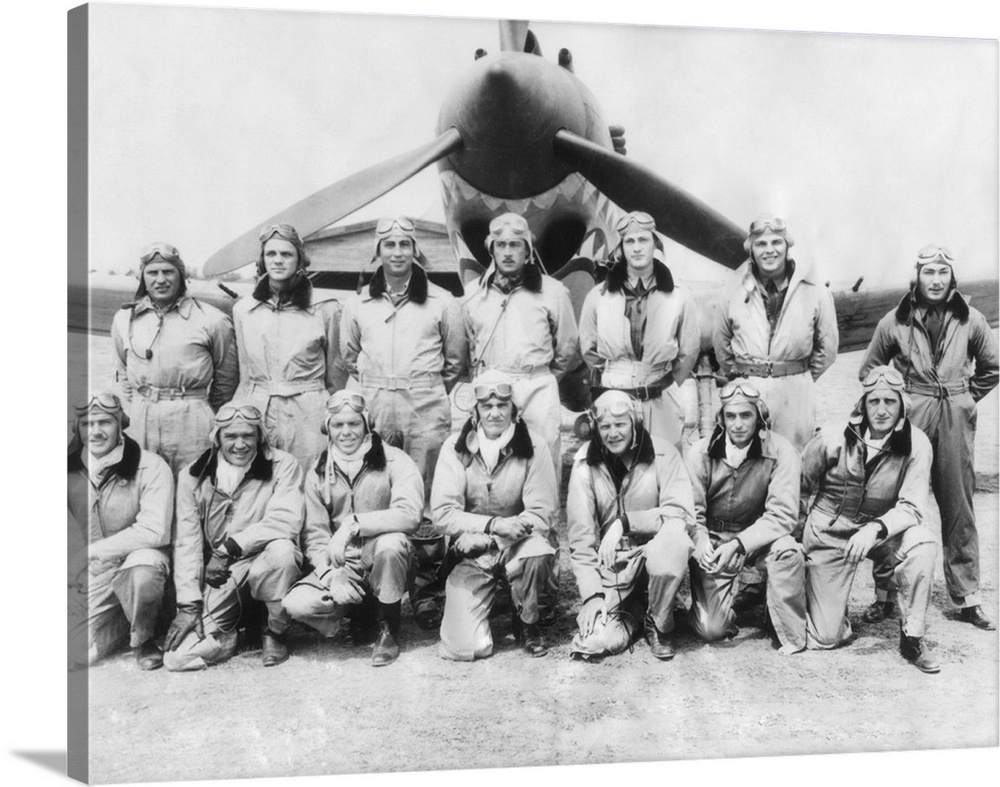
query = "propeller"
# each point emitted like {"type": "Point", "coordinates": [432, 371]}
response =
{"type": "Point", "coordinates": [340, 199]}
{"type": "Point", "coordinates": [679, 215]}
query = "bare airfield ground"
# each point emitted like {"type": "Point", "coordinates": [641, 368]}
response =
{"type": "Point", "coordinates": [327, 711]}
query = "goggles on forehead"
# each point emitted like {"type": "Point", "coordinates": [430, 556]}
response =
{"type": "Point", "coordinates": [165, 251]}
{"type": "Point", "coordinates": [286, 231]}
{"type": "Point", "coordinates": [745, 387]}
{"type": "Point", "coordinates": [516, 224]}
{"type": "Point", "coordinates": [230, 412]}
{"type": "Point", "coordinates": [483, 391]}
{"type": "Point", "coordinates": [932, 253]}
{"type": "Point", "coordinates": [889, 374]}
{"type": "Point", "coordinates": [384, 227]}
{"type": "Point", "coordinates": [643, 220]}
{"type": "Point", "coordinates": [616, 408]}
{"type": "Point", "coordinates": [343, 399]}
{"type": "Point", "coordinates": [772, 223]}
{"type": "Point", "coordinates": [103, 401]}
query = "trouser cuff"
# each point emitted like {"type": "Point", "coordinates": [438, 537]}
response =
{"type": "Point", "coordinates": [963, 602]}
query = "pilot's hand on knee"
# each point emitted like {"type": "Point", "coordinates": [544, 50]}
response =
{"type": "Point", "coordinates": [188, 619]}
{"type": "Point", "coordinates": [594, 609]}
{"type": "Point", "coordinates": [345, 589]}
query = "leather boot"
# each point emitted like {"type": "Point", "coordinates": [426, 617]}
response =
{"type": "Point", "coordinates": [148, 656]}
{"type": "Point", "coordinates": [879, 611]}
{"type": "Point", "coordinates": [534, 641]}
{"type": "Point", "coordinates": [915, 652]}
{"type": "Point", "coordinates": [275, 649]}
{"type": "Point", "coordinates": [386, 649]}
{"type": "Point", "coordinates": [529, 636]}
{"type": "Point", "coordinates": [659, 643]}
{"type": "Point", "coordinates": [363, 628]}
{"type": "Point", "coordinates": [977, 618]}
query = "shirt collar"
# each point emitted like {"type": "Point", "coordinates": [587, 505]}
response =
{"type": "Point", "coordinates": [647, 281]}
{"type": "Point", "coordinates": [182, 306]}
{"type": "Point", "coordinates": [781, 285]}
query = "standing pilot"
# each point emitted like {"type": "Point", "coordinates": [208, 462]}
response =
{"type": "Point", "coordinates": [289, 346]}
{"type": "Point", "coordinates": [402, 337]}
{"type": "Point", "coordinates": [521, 322]}
{"type": "Point", "coordinates": [175, 359]}
{"type": "Point", "coordinates": [778, 327]}
{"type": "Point", "coordinates": [639, 330]}
{"type": "Point", "coordinates": [948, 357]}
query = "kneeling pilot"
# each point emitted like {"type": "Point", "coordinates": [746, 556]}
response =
{"type": "Point", "coordinates": [494, 495]}
{"type": "Point", "coordinates": [631, 522]}
{"type": "Point", "coordinates": [746, 501]}
{"type": "Point", "coordinates": [363, 499]}
{"type": "Point", "coordinates": [871, 482]}
{"type": "Point", "coordinates": [239, 514]}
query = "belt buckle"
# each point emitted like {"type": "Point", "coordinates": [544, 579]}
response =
{"type": "Point", "coordinates": [146, 391]}
{"type": "Point", "coordinates": [769, 368]}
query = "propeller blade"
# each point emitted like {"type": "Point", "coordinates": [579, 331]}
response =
{"type": "Point", "coordinates": [678, 215]}
{"type": "Point", "coordinates": [513, 35]}
{"type": "Point", "coordinates": [336, 200]}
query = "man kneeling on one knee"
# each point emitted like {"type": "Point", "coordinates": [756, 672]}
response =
{"type": "Point", "coordinates": [363, 498]}
{"type": "Point", "coordinates": [871, 483]}
{"type": "Point", "coordinates": [746, 500]}
{"type": "Point", "coordinates": [495, 495]}
{"type": "Point", "coordinates": [239, 513]}
{"type": "Point", "coordinates": [120, 501]}
{"type": "Point", "coordinates": [631, 520]}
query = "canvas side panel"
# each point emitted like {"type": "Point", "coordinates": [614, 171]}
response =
{"type": "Point", "coordinates": [77, 709]}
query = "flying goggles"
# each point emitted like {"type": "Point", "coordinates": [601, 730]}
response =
{"type": "Point", "coordinates": [105, 401]}
{"type": "Point", "coordinates": [616, 409]}
{"type": "Point", "coordinates": [343, 399]}
{"type": "Point", "coordinates": [889, 374]}
{"type": "Point", "coordinates": [230, 412]}
{"type": "Point", "coordinates": [748, 389]}
{"type": "Point", "coordinates": [286, 231]}
{"type": "Point", "coordinates": [384, 227]}
{"type": "Point", "coordinates": [772, 223]}
{"type": "Point", "coordinates": [501, 390]}
{"type": "Point", "coordinates": [165, 251]}
{"type": "Point", "coordinates": [643, 220]}
{"type": "Point", "coordinates": [934, 253]}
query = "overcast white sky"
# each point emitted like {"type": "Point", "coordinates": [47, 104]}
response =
{"type": "Point", "coordinates": [206, 121]}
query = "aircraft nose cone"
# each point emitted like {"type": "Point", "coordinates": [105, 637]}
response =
{"type": "Point", "coordinates": [507, 109]}
{"type": "Point", "coordinates": [509, 114]}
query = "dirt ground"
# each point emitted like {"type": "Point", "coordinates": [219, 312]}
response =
{"type": "Point", "coordinates": [326, 710]}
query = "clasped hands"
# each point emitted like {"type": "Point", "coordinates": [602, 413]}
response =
{"type": "Point", "coordinates": [727, 558]}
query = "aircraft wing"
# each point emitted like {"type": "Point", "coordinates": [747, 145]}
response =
{"type": "Point", "coordinates": [91, 309]}
{"type": "Point", "coordinates": [857, 312]}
